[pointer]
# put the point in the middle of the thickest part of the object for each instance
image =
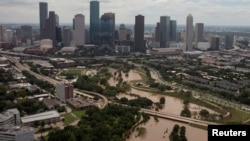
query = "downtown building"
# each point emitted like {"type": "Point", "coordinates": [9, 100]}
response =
{"type": "Point", "coordinates": [189, 33]}
{"type": "Point", "coordinates": [107, 33]}
{"type": "Point", "coordinates": [164, 31]}
{"type": "Point", "coordinates": [67, 36]}
{"type": "Point", "coordinates": [228, 41]}
{"type": "Point", "coordinates": [199, 29]}
{"type": "Point", "coordinates": [26, 34]}
{"type": "Point", "coordinates": [139, 42]}
{"type": "Point", "coordinates": [64, 91]}
{"type": "Point", "coordinates": [43, 14]}
{"type": "Point", "coordinates": [79, 30]}
{"type": "Point", "coordinates": [94, 29]}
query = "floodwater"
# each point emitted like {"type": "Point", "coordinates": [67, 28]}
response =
{"type": "Point", "coordinates": [156, 131]}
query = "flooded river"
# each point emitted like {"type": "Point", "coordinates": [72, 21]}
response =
{"type": "Point", "coordinates": [155, 130]}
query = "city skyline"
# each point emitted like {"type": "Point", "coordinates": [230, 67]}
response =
{"type": "Point", "coordinates": [204, 11]}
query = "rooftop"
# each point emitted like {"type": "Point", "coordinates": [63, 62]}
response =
{"type": "Point", "coordinates": [15, 129]}
{"type": "Point", "coordinates": [40, 116]}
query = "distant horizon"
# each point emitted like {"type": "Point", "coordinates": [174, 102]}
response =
{"type": "Point", "coordinates": [4, 23]}
{"type": "Point", "coordinates": [209, 12]}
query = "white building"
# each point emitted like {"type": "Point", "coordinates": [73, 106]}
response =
{"type": "Point", "coordinates": [79, 30]}
{"type": "Point", "coordinates": [9, 36]}
{"type": "Point", "coordinates": [203, 46]}
{"type": "Point", "coordinates": [16, 133]}
{"type": "Point", "coordinates": [46, 44]}
{"type": "Point", "coordinates": [122, 49]}
{"type": "Point", "coordinates": [46, 117]}
{"type": "Point", "coordinates": [189, 33]}
{"type": "Point", "coordinates": [10, 117]}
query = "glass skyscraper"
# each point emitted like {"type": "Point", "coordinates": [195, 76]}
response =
{"type": "Point", "coordinates": [94, 22]}
{"type": "Point", "coordinates": [107, 34]}
{"type": "Point", "coordinates": [43, 14]}
{"type": "Point", "coordinates": [139, 34]}
{"type": "Point", "coordinates": [164, 31]}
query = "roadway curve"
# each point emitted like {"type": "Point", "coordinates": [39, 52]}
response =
{"type": "Point", "coordinates": [53, 81]}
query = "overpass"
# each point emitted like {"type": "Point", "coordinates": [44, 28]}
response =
{"type": "Point", "coordinates": [177, 117]}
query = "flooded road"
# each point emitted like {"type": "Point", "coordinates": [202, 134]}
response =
{"type": "Point", "coordinates": [156, 131]}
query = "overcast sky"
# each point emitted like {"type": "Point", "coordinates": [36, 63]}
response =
{"type": "Point", "coordinates": [209, 12]}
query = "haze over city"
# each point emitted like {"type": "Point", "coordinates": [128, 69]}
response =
{"type": "Point", "coordinates": [210, 12]}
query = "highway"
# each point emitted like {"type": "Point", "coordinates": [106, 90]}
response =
{"type": "Point", "coordinates": [53, 81]}
{"type": "Point", "coordinates": [82, 92]}
{"type": "Point", "coordinates": [178, 118]}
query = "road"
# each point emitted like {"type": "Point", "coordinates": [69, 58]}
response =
{"type": "Point", "coordinates": [201, 95]}
{"type": "Point", "coordinates": [178, 118]}
{"type": "Point", "coordinates": [53, 81]}
{"type": "Point", "coordinates": [151, 112]}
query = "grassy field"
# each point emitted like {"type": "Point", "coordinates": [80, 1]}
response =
{"type": "Point", "coordinates": [79, 114]}
{"type": "Point", "coordinates": [68, 119]}
{"type": "Point", "coordinates": [74, 72]}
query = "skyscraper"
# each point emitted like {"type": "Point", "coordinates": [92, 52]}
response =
{"type": "Point", "coordinates": [228, 41]}
{"type": "Point", "coordinates": [189, 33]}
{"type": "Point", "coordinates": [94, 22]}
{"type": "Point", "coordinates": [43, 12]}
{"type": "Point", "coordinates": [164, 31]}
{"type": "Point", "coordinates": [139, 34]}
{"type": "Point", "coordinates": [79, 30]}
{"type": "Point", "coordinates": [50, 27]}
{"type": "Point", "coordinates": [122, 32]}
{"type": "Point", "coordinates": [157, 32]}
{"type": "Point", "coordinates": [1, 33]}
{"type": "Point", "coordinates": [214, 43]}
{"type": "Point", "coordinates": [199, 28]}
{"type": "Point", "coordinates": [173, 30]}
{"type": "Point", "coordinates": [26, 33]}
{"type": "Point", "coordinates": [67, 36]}
{"type": "Point", "coordinates": [107, 34]}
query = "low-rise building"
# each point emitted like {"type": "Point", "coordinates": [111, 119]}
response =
{"type": "Point", "coordinates": [16, 133]}
{"type": "Point", "coordinates": [79, 103]}
{"type": "Point", "coordinates": [10, 117]}
{"type": "Point", "coordinates": [45, 117]}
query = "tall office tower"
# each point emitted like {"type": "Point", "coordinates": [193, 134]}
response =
{"type": "Point", "coordinates": [139, 34]}
{"type": "Point", "coordinates": [26, 34]}
{"type": "Point", "coordinates": [122, 32]}
{"type": "Point", "coordinates": [189, 33]}
{"type": "Point", "coordinates": [229, 41]}
{"type": "Point", "coordinates": [165, 31]}
{"type": "Point", "coordinates": [9, 34]}
{"type": "Point", "coordinates": [64, 90]}
{"type": "Point", "coordinates": [67, 36]}
{"type": "Point", "coordinates": [43, 12]}
{"type": "Point", "coordinates": [214, 42]}
{"type": "Point", "coordinates": [128, 34]}
{"type": "Point", "coordinates": [199, 28]}
{"type": "Point", "coordinates": [1, 33]}
{"type": "Point", "coordinates": [87, 36]}
{"type": "Point", "coordinates": [107, 34]}
{"type": "Point", "coordinates": [157, 32]}
{"type": "Point", "coordinates": [50, 27]}
{"type": "Point", "coordinates": [173, 30]}
{"type": "Point", "coordinates": [79, 30]}
{"type": "Point", "coordinates": [94, 29]}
